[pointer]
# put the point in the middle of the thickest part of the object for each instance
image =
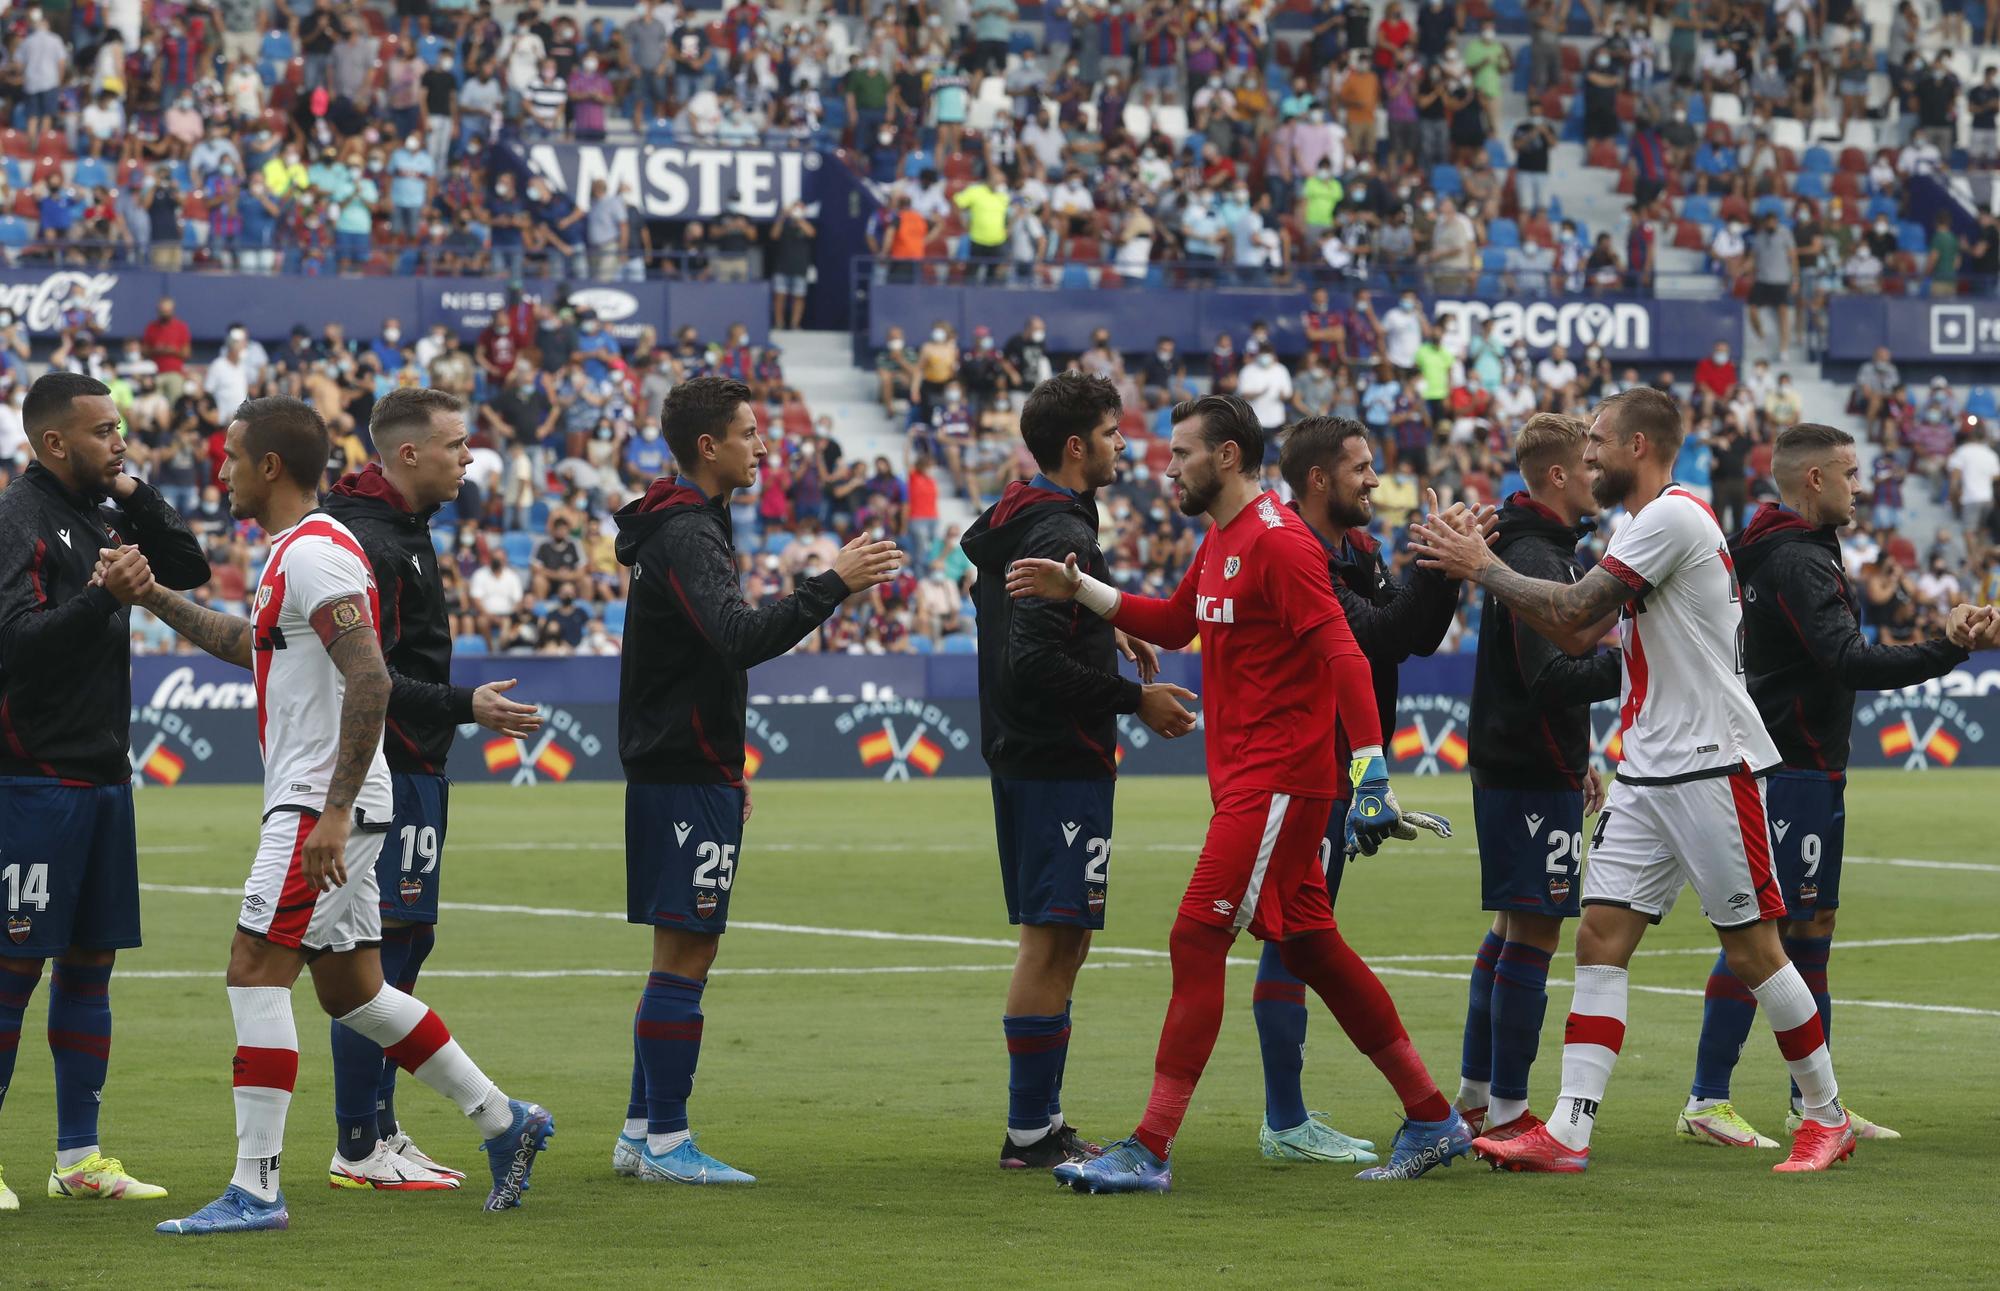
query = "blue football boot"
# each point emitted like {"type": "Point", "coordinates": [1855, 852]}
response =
{"type": "Point", "coordinates": [688, 1164]}
{"type": "Point", "coordinates": [511, 1153]}
{"type": "Point", "coordinates": [235, 1211]}
{"type": "Point", "coordinates": [1422, 1146]}
{"type": "Point", "coordinates": [1125, 1166]}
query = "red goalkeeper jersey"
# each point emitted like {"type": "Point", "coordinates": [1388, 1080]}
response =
{"type": "Point", "coordinates": [1278, 664]}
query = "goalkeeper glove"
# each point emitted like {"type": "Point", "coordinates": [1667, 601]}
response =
{"type": "Point", "coordinates": [1373, 814]}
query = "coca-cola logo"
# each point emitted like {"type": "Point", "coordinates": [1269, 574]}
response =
{"type": "Point", "coordinates": [42, 305]}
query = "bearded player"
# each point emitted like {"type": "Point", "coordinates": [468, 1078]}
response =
{"type": "Point", "coordinates": [1804, 657]}
{"type": "Point", "coordinates": [1279, 667]}
{"type": "Point", "coordinates": [311, 901]}
{"type": "Point", "coordinates": [1688, 805]}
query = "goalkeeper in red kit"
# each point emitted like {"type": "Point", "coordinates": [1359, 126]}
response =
{"type": "Point", "coordinates": [1279, 667]}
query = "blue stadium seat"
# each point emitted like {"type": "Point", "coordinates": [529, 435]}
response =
{"type": "Point", "coordinates": [1494, 259]}
{"type": "Point", "coordinates": [441, 540]}
{"type": "Point", "coordinates": [1699, 207]}
{"type": "Point", "coordinates": [1697, 110]}
{"type": "Point", "coordinates": [1818, 161]}
{"type": "Point", "coordinates": [960, 643]}
{"type": "Point", "coordinates": [1503, 232]}
{"type": "Point", "coordinates": [520, 548]}
{"type": "Point", "coordinates": [538, 516]}
{"type": "Point", "coordinates": [17, 175]}
{"type": "Point", "coordinates": [446, 517]}
{"type": "Point", "coordinates": [614, 618]}
{"type": "Point", "coordinates": [776, 543]}
{"type": "Point", "coordinates": [1910, 236]}
{"type": "Point", "coordinates": [1980, 402]}
{"type": "Point", "coordinates": [1021, 41]}
{"type": "Point", "coordinates": [921, 644]}
{"type": "Point", "coordinates": [1772, 204]}
{"type": "Point", "coordinates": [1881, 207]}
{"type": "Point", "coordinates": [469, 644]}
{"type": "Point", "coordinates": [1074, 278]}
{"type": "Point", "coordinates": [1496, 152]}
{"type": "Point", "coordinates": [182, 175]}
{"type": "Point", "coordinates": [1490, 287]}
{"type": "Point", "coordinates": [91, 172]}
{"type": "Point", "coordinates": [15, 231]}
{"type": "Point", "coordinates": [1156, 276]}
{"type": "Point", "coordinates": [1959, 161]}
{"type": "Point", "coordinates": [1810, 183]}
{"type": "Point", "coordinates": [1521, 71]}
{"type": "Point", "coordinates": [1445, 181]}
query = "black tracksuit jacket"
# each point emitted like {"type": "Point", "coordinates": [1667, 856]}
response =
{"type": "Point", "coordinates": [65, 646]}
{"type": "Point", "coordinates": [1390, 621]}
{"type": "Point", "coordinates": [691, 638]}
{"type": "Point", "coordinates": [1530, 701]}
{"type": "Point", "coordinates": [1803, 652]}
{"type": "Point", "coordinates": [425, 709]}
{"type": "Point", "coordinates": [1049, 687]}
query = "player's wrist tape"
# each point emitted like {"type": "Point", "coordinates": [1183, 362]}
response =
{"type": "Point", "coordinates": [1100, 599]}
{"type": "Point", "coordinates": [1372, 751]}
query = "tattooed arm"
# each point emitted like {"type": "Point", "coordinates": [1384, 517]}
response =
{"type": "Point", "coordinates": [1571, 615]}
{"type": "Point", "coordinates": [349, 636]}
{"type": "Point", "coordinates": [223, 635]}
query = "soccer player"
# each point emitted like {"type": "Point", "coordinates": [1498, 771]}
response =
{"type": "Point", "coordinates": [1532, 783]}
{"type": "Point", "coordinates": [420, 436]}
{"type": "Point", "coordinates": [1688, 805]}
{"type": "Point", "coordinates": [1279, 667]}
{"type": "Point", "coordinates": [1049, 698]}
{"type": "Point", "coordinates": [1330, 465]}
{"type": "Point", "coordinates": [690, 639]}
{"type": "Point", "coordinates": [1804, 657]}
{"type": "Point", "coordinates": [69, 860]}
{"type": "Point", "coordinates": [311, 900]}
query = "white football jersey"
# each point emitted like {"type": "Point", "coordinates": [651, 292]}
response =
{"type": "Point", "coordinates": [299, 691]}
{"type": "Point", "coordinates": [1683, 708]}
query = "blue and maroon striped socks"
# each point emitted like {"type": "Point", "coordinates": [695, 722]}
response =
{"type": "Point", "coordinates": [1036, 1047]}
{"type": "Point", "coordinates": [80, 1042]}
{"type": "Point", "coordinates": [667, 1032]}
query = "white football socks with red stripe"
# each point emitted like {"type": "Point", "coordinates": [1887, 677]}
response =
{"type": "Point", "coordinates": [1591, 1040]}
{"type": "Point", "coordinates": [267, 1066]}
{"type": "Point", "coordinates": [415, 1039]}
{"type": "Point", "coordinates": [1789, 1008]}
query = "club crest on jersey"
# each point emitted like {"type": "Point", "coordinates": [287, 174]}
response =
{"type": "Point", "coordinates": [263, 596]}
{"type": "Point", "coordinates": [1232, 566]}
{"type": "Point", "coordinates": [1559, 889]}
{"type": "Point", "coordinates": [18, 928]}
{"type": "Point", "coordinates": [706, 903]}
{"type": "Point", "coordinates": [411, 890]}
{"type": "Point", "coordinates": [1094, 896]}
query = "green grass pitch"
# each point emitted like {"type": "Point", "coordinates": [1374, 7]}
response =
{"type": "Point", "coordinates": [863, 1077]}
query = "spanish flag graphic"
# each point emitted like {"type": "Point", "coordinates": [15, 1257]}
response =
{"type": "Point", "coordinates": [1942, 748]}
{"type": "Point", "coordinates": [1453, 750]}
{"type": "Point", "coordinates": [926, 756]}
{"type": "Point", "coordinates": [166, 767]}
{"type": "Point", "coordinates": [1900, 739]}
{"type": "Point", "coordinates": [876, 748]}
{"type": "Point", "coordinates": [502, 755]}
{"type": "Point", "coordinates": [555, 762]}
{"type": "Point", "coordinates": [1406, 744]}
{"type": "Point", "coordinates": [752, 759]}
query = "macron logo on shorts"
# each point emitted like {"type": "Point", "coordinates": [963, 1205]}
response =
{"type": "Point", "coordinates": [1534, 825]}
{"type": "Point", "coordinates": [1069, 830]}
{"type": "Point", "coordinates": [681, 831]}
{"type": "Point", "coordinates": [1779, 828]}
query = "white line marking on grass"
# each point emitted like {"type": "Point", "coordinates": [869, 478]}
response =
{"type": "Point", "coordinates": [1386, 963]}
{"type": "Point", "coordinates": [546, 974]}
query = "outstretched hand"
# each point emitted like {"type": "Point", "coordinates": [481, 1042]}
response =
{"type": "Point", "coordinates": [1442, 545]}
{"type": "Point", "coordinates": [1141, 653]}
{"type": "Point", "coordinates": [1034, 576]}
{"type": "Point", "coordinates": [494, 711]}
{"type": "Point", "coordinates": [862, 564]}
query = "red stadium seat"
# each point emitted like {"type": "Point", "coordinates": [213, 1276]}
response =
{"type": "Point", "coordinates": [1853, 161]}
{"type": "Point", "coordinates": [1846, 185]}
{"type": "Point", "coordinates": [1627, 106]}
{"type": "Point", "coordinates": [1572, 60]}
{"type": "Point", "coordinates": [1160, 455]}
{"type": "Point", "coordinates": [1788, 161]}
{"type": "Point", "coordinates": [1687, 235]}
{"type": "Point", "coordinates": [1741, 288]}
{"type": "Point", "coordinates": [1554, 105]}
{"type": "Point", "coordinates": [1734, 208]}
{"type": "Point", "coordinates": [1602, 153]}
{"type": "Point", "coordinates": [15, 144]}
{"type": "Point", "coordinates": [1628, 179]}
{"type": "Point", "coordinates": [1132, 425]}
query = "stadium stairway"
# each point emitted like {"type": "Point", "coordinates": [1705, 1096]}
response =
{"type": "Point", "coordinates": [820, 366]}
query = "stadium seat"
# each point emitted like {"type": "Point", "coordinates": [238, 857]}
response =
{"type": "Point", "coordinates": [15, 232]}
{"type": "Point", "coordinates": [92, 173]}
{"type": "Point", "coordinates": [1494, 259]}
{"type": "Point", "coordinates": [1726, 109]}
{"type": "Point", "coordinates": [1811, 183]}
{"type": "Point", "coordinates": [614, 618]}
{"type": "Point", "coordinates": [1503, 232]}
{"type": "Point", "coordinates": [1854, 160]}
{"type": "Point", "coordinates": [1445, 181]}
{"type": "Point", "coordinates": [1979, 402]}
{"type": "Point", "coordinates": [1489, 287]}
{"type": "Point", "coordinates": [1910, 237]}
{"type": "Point", "coordinates": [1846, 185]}
{"type": "Point", "coordinates": [1697, 110]}
{"type": "Point", "coordinates": [921, 644]}
{"type": "Point", "coordinates": [1602, 154]}
{"type": "Point", "coordinates": [960, 643]}
{"type": "Point", "coordinates": [1690, 236]}
{"type": "Point", "coordinates": [1700, 208]}
{"type": "Point", "coordinates": [17, 174]}
{"type": "Point", "coordinates": [1959, 161]}
{"type": "Point", "coordinates": [520, 548]}
{"type": "Point", "coordinates": [1818, 161]}
{"type": "Point", "coordinates": [1076, 277]}
{"type": "Point", "coordinates": [1771, 204]}
{"type": "Point", "coordinates": [1788, 132]}
{"type": "Point", "coordinates": [1496, 153]}
{"type": "Point", "coordinates": [469, 644]}
{"type": "Point", "coordinates": [1882, 207]}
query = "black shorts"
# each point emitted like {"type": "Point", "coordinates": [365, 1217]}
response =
{"type": "Point", "coordinates": [1055, 849]}
{"type": "Point", "coordinates": [1808, 814]}
{"type": "Point", "coordinates": [681, 842]}
{"type": "Point", "coordinates": [1767, 294]}
{"type": "Point", "coordinates": [69, 867]}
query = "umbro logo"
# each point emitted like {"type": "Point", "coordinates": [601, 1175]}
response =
{"type": "Point", "coordinates": [1534, 825]}
{"type": "Point", "coordinates": [1069, 829]}
{"type": "Point", "coordinates": [64, 535]}
{"type": "Point", "coordinates": [681, 831]}
{"type": "Point", "coordinates": [1779, 828]}
{"type": "Point", "coordinates": [1223, 907]}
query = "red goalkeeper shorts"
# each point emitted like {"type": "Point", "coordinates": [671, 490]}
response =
{"type": "Point", "coordinates": [1262, 866]}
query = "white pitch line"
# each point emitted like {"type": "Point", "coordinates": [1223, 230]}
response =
{"type": "Point", "coordinates": [549, 974]}
{"type": "Point", "coordinates": [1388, 962]}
